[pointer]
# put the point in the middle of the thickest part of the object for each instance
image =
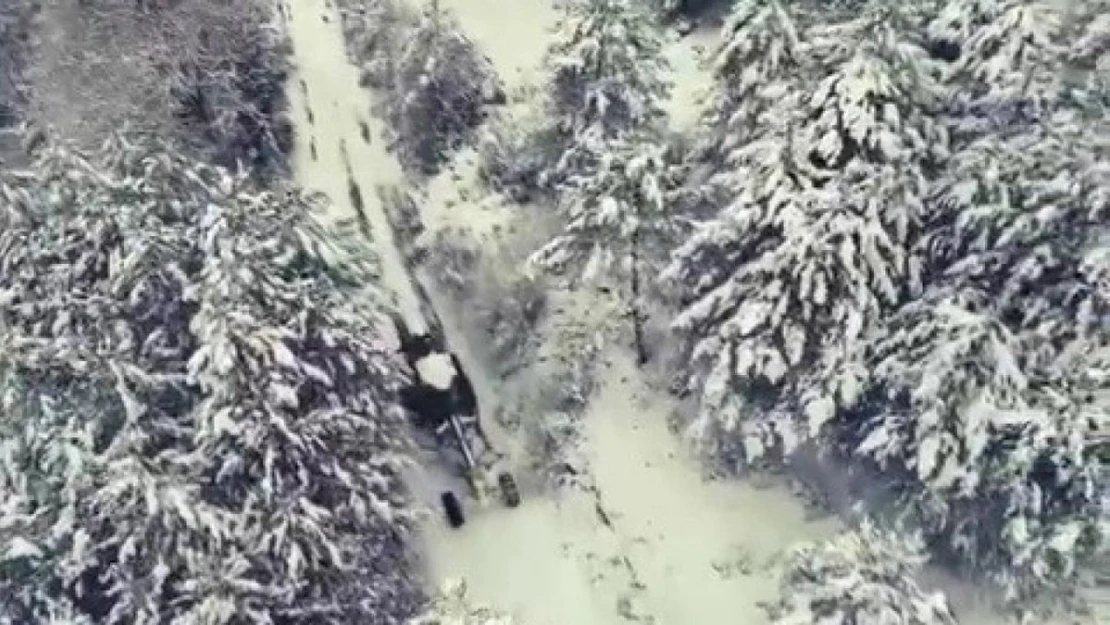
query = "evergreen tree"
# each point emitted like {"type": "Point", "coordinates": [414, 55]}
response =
{"type": "Point", "coordinates": [766, 56]}
{"type": "Point", "coordinates": [991, 381]}
{"type": "Point", "coordinates": [1089, 50]}
{"type": "Point", "coordinates": [759, 60]}
{"type": "Point", "coordinates": [825, 196]}
{"type": "Point", "coordinates": [1011, 67]}
{"type": "Point", "coordinates": [605, 77]}
{"type": "Point", "coordinates": [440, 86]}
{"type": "Point", "coordinates": [982, 398]}
{"type": "Point", "coordinates": [198, 418]}
{"type": "Point", "coordinates": [619, 217]}
{"type": "Point", "coordinates": [864, 576]}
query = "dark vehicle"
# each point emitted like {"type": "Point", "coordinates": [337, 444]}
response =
{"type": "Point", "coordinates": [442, 401]}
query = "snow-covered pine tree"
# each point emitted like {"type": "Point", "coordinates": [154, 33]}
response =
{"type": "Point", "coordinates": [1089, 49]}
{"type": "Point", "coordinates": [441, 85]}
{"type": "Point", "coordinates": [621, 218]}
{"type": "Point", "coordinates": [452, 606]}
{"type": "Point", "coordinates": [297, 429]}
{"type": "Point", "coordinates": [758, 62]}
{"type": "Point", "coordinates": [864, 576]}
{"type": "Point", "coordinates": [986, 394]}
{"type": "Point", "coordinates": [981, 398]}
{"type": "Point", "coordinates": [1018, 60]}
{"type": "Point", "coordinates": [91, 323]}
{"type": "Point", "coordinates": [992, 455]}
{"type": "Point", "coordinates": [826, 197]}
{"type": "Point", "coordinates": [761, 59]}
{"type": "Point", "coordinates": [606, 77]}
{"type": "Point", "coordinates": [198, 423]}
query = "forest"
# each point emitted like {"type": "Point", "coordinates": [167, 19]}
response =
{"type": "Point", "coordinates": [862, 267]}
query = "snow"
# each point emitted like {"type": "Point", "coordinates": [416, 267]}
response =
{"type": "Point", "coordinates": [692, 79]}
{"type": "Point", "coordinates": [513, 33]}
{"type": "Point", "coordinates": [554, 561]}
{"type": "Point", "coordinates": [538, 560]}
{"type": "Point", "coordinates": [21, 548]}
{"type": "Point", "coordinates": [436, 370]}
{"type": "Point", "coordinates": [654, 539]}
{"type": "Point", "coordinates": [455, 197]}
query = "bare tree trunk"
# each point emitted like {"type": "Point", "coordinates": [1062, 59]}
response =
{"type": "Point", "coordinates": [637, 317]}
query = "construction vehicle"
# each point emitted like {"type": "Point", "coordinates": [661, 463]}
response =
{"type": "Point", "coordinates": [442, 401]}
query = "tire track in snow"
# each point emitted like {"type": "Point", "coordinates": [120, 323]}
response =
{"type": "Point", "coordinates": [354, 194]}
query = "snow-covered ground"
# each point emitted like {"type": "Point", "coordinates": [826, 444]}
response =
{"type": "Point", "coordinates": [655, 543]}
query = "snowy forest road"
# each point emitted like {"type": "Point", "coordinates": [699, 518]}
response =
{"type": "Point", "coordinates": [654, 544]}
{"type": "Point", "coordinates": [337, 150]}
{"type": "Point", "coordinates": [338, 153]}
